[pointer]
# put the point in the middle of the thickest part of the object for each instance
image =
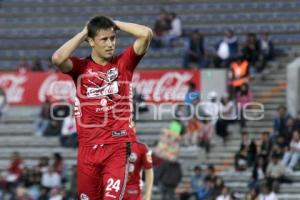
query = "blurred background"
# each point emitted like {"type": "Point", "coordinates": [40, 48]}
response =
{"type": "Point", "coordinates": [232, 58]}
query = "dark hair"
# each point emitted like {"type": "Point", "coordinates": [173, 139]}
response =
{"type": "Point", "coordinates": [97, 23]}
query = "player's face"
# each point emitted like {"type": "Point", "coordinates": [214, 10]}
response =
{"type": "Point", "coordinates": [104, 43]}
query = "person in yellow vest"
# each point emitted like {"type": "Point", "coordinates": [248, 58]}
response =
{"type": "Point", "coordinates": [238, 75]}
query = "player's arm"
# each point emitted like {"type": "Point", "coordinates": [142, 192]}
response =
{"type": "Point", "coordinates": [143, 35]}
{"type": "Point", "coordinates": [61, 57]}
{"type": "Point", "coordinates": [149, 177]}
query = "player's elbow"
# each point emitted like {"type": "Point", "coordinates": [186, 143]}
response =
{"type": "Point", "coordinates": [57, 59]}
{"type": "Point", "coordinates": [148, 33]}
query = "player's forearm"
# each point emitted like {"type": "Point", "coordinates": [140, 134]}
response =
{"type": "Point", "coordinates": [138, 31]}
{"type": "Point", "coordinates": [149, 183]}
{"type": "Point", "coordinates": [65, 51]}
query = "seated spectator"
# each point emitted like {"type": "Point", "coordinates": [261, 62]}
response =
{"type": "Point", "coordinates": [287, 134]}
{"type": "Point", "coordinates": [280, 146]}
{"type": "Point", "coordinates": [252, 195]}
{"type": "Point", "coordinates": [244, 96]}
{"type": "Point", "coordinates": [227, 115]}
{"type": "Point", "coordinates": [251, 148]}
{"type": "Point", "coordinates": [21, 194]}
{"type": "Point", "coordinates": [206, 134]}
{"type": "Point", "coordinates": [225, 195]}
{"type": "Point", "coordinates": [241, 159]}
{"type": "Point", "coordinates": [192, 133]}
{"type": "Point", "coordinates": [3, 102]}
{"type": "Point", "coordinates": [267, 194]}
{"type": "Point", "coordinates": [195, 51]}
{"type": "Point", "coordinates": [211, 108]}
{"type": "Point", "coordinates": [267, 51]}
{"type": "Point", "coordinates": [211, 173]}
{"type": "Point", "coordinates": [161, 27]}
{"type": "Point", "coordinates": [280, 122]}
{"type": "Point", "coordinates": [37, 65]}
{"type": "Point", "coordinates": [196, 180]}
{"type": "Point", "coordinates": [139, 104]}
{"type": "Point", "coordinates": [51, 179]}
{"type": "Point", "coordinates": [251, 49]}
{"type": "Point", "coordinates": [266, 145]}
{"type": "Point", "coordinates": [58, 163]}
{"type": "Point", "coordinates": [238, 75]}
{"type": "Point", "coordinates": [258, 173]}
{"type": "Point", "coordinates": [192, 94]}
{"type": "Point", "coordinates": [175, 31]}
{"type": "Point", "coordinates": [68, 136]}
{"type": "Point", "coordinates": [276, 173]}
{"type": "Point", "coordinates": [45, 118]}
{"type": "Point", "coordinates": [291, 157]}
{"type": "Point", "coordinates": [227, 49]}
{"type": "Point", "coordinates": [24, 66]}
{"type": "Point", "coordinates": [15, 168]}
{"type": "Point", "coordinates": [43, 164]}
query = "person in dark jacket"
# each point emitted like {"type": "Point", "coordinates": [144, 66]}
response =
{"type": "Point", "coordinates": [168, 176]}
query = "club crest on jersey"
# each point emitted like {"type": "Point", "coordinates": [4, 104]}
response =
{"type": "Point", "coordinates": [132, 157]}
{"type": "Point", "coordinates": [112, 74]}
{"type": "Point", "coordinates": [84, 197]}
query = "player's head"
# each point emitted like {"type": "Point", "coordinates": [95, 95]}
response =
{"type": "Point", "coordinates": [102, 36]}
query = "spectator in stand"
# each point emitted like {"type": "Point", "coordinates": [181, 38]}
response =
{"type": "Point", "coordinates": [267, 194]}
{"type": "Point", "coordinates": [161, 28]}
{"type": "Point", "coordinates": [175, 31]}
{"type": "Point", "coordinates": [291, 157]}
{"type": "Point", "coordinates": [251, 49]}
{"type": "Point", "coordinates": [51, 179]}
{"type": "Point", "coordinates": [288, 132]}
{"type": "Point", "coordinates": [225, 195]}
{"type": "Point", "coordinates": [43, 164]}
{"type": "Point", "coordinates": [68, 136]}
{"type": "Point", "coordinates": [37, 65]}
{"type": "Point", "coordinates": [45, 118]}
{"type": "Point", "coordinates": [3, 102]}
{"type": "Point", "coordinates": [280, 146]}
{"type": "Point", "coordinates": [169, 175]}
{"type": "Point", "coordinates": [227, 49]}
{"type": "Point", "coordinates": [266, 145]}
{"type": "Point", "coordinates": [250, 146]}
{"type": "Point", "coordinates": [192, 133]}
{"type": "Point", "coordinates": [24, 66]}
{"type": "Point", "coordinates": [228, 115]}
{"type": "Point", "coordinates": [58, 163]}
{"type": "Point", "coordinates": [238, 75]}
{"type": "Point", "coordinates": [21, 194]}
{"type": "Point", "coordinates": [211, 108]}
{"type": "Point", "coordinates": [276, 173]}
{"type": "Point", "coordinates": [139, 104]}
{"type": "Point", "coordinates": [195, 51]}
{"type": "Point", "coordinates": [15, 168]}
{"type": "Point", "coordinates": [196, 180]}
{"type": "Point", "coordinates": [206, 134]}
{"type": "Point", "coordinates": [240, 159]}
{"type": "Point", "coordinates": [258, 173]}
{"type": "Point", "coordinates": [192, 94]}
{"type": "Point", "coordinates": [244, 96]}
{"type": "Point", "coordinates": [252, 195]}
{"type": "Point", "coordinates": [280, 122]}
{"type": "Point", "coordinates": [206, 191]}
{"type": "Point", "coordinates": [267, 51]}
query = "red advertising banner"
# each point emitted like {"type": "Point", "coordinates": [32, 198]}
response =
{"type": "Point", "coordinates": [160, 86]}
{"type": "Point", "coordinates": [157, 86]}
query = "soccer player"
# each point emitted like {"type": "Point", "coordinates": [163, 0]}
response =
{"type": "Point", "coordinates": [103, 104]}
{"type": "Point", "coordinates": [139, 159]}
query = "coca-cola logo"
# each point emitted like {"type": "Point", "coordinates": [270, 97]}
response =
{"type": "Point", "coordinates": [170, 86]}
{"type": "Point", "coordinates": [13, 86]}
{"type": "Point", "coordinates": [56, 89]}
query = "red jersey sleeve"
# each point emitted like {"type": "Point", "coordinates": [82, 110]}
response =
{"type": "Point", "coordinates": [147, 157]}
{"type": "Point", "coordinates": [130, 59]}
{"type": "Point", "coordinates": [78, 67]}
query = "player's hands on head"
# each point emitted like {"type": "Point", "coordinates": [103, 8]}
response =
{"type": "Point", "coordinates": [84, 32]}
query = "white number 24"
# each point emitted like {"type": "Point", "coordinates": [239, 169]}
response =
{"type": "Point", "coordinates": [113, 185]}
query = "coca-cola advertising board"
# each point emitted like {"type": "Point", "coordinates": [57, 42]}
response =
{"type": "Point", "coordinates": [162, 86]}
{"type": "Point", "coordinates": [157, 86]}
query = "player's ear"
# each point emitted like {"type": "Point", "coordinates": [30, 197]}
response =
{"type": "Point", "coordinates": [91, 42]}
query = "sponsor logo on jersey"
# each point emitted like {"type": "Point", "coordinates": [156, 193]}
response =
{"type": "Point", "coordinates": [119, 133]}
{"type": "Point", "coordinates": [84, 197]}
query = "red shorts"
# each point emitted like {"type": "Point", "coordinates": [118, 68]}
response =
{"type": "Point", "coordinates": [102, 171]}
{"type": "Point", "coordinates": [132, 194]}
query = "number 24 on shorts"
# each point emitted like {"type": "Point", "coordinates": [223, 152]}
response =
{"type": "Point", "coordinates": [113, 185]}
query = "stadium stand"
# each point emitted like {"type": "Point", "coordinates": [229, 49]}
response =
{"type": "Point", "coordinates": [35, 28]}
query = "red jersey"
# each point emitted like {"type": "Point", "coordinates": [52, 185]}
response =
{"type": "Point", "coordinates": [103, 104]}
{"type": "Point", "coordinates": [139, 159]}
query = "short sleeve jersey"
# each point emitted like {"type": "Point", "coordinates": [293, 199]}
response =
{"type": "Point", "coordinates": [139, 159]}
{"type": "Point", "coordinates": [103, 104]}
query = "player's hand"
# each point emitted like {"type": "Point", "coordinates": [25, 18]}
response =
{"type": "Point", "coordinates": [84, 33]}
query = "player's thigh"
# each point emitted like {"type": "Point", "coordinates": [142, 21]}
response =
{"type": "Point", "coordinates": [88, 176]}
{"type": "Point", "coordinates": [115, 173]}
